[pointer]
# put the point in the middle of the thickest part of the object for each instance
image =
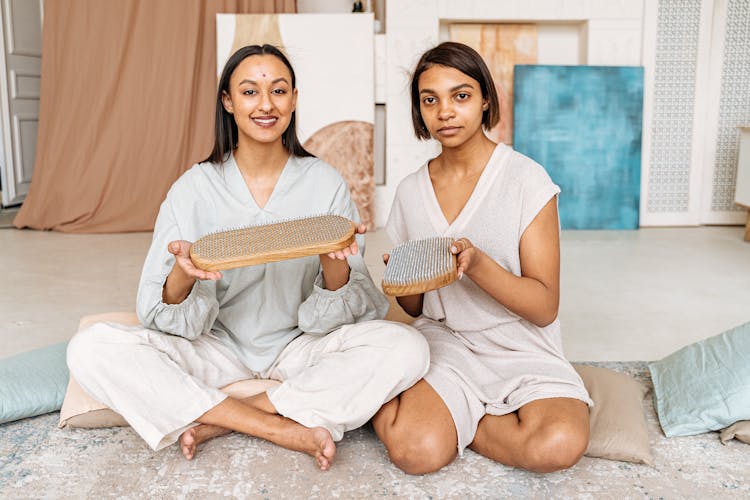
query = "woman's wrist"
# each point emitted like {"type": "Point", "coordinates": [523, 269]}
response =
{"type": "Point", "coordinates": [177, 286]}
{"type": "Point", "coordinates": [477, 263]}
{"type": "Point", "coordinates": [335, 272]}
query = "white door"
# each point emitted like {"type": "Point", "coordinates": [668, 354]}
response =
{"type": "Point", "coordinates": [695, 54]}
{"type": "Point", "coordinates": [728, 110]}
{"type": "Point", "coordinates": [20, 78]}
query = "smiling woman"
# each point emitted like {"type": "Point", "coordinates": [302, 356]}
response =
{"type": "Point", "coordinates": [261, 90]}
{"type": "Point", "coordinates": [258, 97]}
{"type": "Point", "coordinates": [291, 320]}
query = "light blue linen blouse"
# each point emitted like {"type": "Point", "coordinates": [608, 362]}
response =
{"type": "Point", "coordinates": [256, 310]}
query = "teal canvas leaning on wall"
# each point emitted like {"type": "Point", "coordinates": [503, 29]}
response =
{"type": "Point", "coordinates": [583, 124]}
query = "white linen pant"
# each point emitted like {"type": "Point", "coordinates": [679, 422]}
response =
{"type": "Point", "coordinates": [161, 383]}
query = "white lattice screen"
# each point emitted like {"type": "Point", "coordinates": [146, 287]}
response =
{"type": "Point", "coordinates": [678, 24]}
{"type": "Point", "coordinates": [734, 106]}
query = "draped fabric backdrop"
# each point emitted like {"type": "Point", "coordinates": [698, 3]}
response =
{"type": "Point", "coordinates": [127, 105]}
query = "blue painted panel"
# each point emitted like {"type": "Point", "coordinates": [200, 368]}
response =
{"type": "Point", "coordinates": [583, 124]}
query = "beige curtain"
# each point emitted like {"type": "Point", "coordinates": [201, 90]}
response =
{"type": "Point", "coordinates": [127, 101]}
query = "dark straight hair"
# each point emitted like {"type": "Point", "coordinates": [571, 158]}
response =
{"type": "Point", "coordinates": [467, 61]}
{"type": "Point", "coordinates": [225, 129]}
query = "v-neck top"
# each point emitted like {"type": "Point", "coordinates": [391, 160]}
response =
{"type": "Point", "coordinates": [237, 185]}
{"type": "Point", "coordinates": [255, 310]}
{"type": "Point", "coordinates": [509, 194]}
{"type": "Point", "coordinates": [435, 213]}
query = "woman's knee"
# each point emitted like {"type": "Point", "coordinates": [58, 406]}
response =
{"type": "Point", "coordinates": [420, 451]}
{"type": "Point", "coordinates": [90, 348]}
{"type": "Point", "coordinates": [417, 430]}
{"type": "Point", "coordinates": [407, 343]}
{"type": "Point", "coordinates": [556, 447]}
{"type": "Point", "coordinates": [401, 344]}
{"type": "Point", "coordinates": [81, 346]}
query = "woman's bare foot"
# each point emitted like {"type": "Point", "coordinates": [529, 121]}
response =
{"type": "Point", "coordinates": [191, 438]}
{"type": "Point", "coordinates": [323, 448]}
{"type": "Point", "coordinates": [244, 417]}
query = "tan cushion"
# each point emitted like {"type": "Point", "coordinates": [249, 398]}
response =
{"type": "Point", "coordinates": [123, 318]}
{"type": "Point", "coordinates": [739, 430]}
{"type": "Point", "coordinates": [395, 313]}
{"type": "Point", "coordinates": [618, 428]}
{"type": "Point", "coordinates": [81, 410]}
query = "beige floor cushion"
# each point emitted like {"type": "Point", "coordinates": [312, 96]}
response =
{"type": "Point", "coordinates": [617, 424]}
{"type": "Point", "coordinates": [739, 431]}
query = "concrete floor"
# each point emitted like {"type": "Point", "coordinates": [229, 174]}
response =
{"type": "Point", "coordinates": [626, 295]}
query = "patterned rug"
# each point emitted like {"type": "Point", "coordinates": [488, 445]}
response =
{"type": "Point", "coordinates": [38, 460]}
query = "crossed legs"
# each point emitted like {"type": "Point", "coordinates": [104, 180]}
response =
{"type": "Point", "coordinates": [180, 373]}
{"type": "Point", "coordinates": [333, 383]}
{"type": "Point", "coordinates": [376, 359]}
{"type": "Point", "coordinates": [543, 436]}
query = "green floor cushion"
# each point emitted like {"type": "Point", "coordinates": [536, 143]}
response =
{"type": "Point", "coordinates": [33, 383]}
{"type": "Point", "coordinates": [704, 386]}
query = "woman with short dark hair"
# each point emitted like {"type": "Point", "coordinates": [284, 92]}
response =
{"type": "Point", "coordinates": [498, 381]}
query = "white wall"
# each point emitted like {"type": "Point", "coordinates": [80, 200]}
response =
{"type": "Point", "coordinates": [561, 43]}
{"type": "Point", "coordinates": [321, 6]}
{"type": "Point", "coordinates": [342, 7]}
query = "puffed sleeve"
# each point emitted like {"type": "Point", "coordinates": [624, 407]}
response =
{"type": "Point", "coordinates": [191, 317]}
{"type": "Point", "coordinates": [358, 300]}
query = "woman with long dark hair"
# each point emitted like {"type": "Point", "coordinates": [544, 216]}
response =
{"type": "Point", "coordinates": [304, 322]}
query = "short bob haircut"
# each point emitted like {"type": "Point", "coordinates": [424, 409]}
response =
{"type": "Point", "coordinates": [225, 129]}
{"type": "Point", "coordinates": [467, 61]}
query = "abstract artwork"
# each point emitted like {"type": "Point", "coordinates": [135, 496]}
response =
{"type": "Point", "coordinates": [583, 124]}
{"type": "Point", "coordinates": [333, 59]}
{"type": "Point", "coordinates": [502, 46]}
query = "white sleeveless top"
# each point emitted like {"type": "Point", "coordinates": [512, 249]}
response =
{"type": "Point", "coordinates": [509, 194]}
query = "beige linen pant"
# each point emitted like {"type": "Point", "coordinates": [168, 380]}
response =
{"type": "Point", "coordinates": [161, 383]}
